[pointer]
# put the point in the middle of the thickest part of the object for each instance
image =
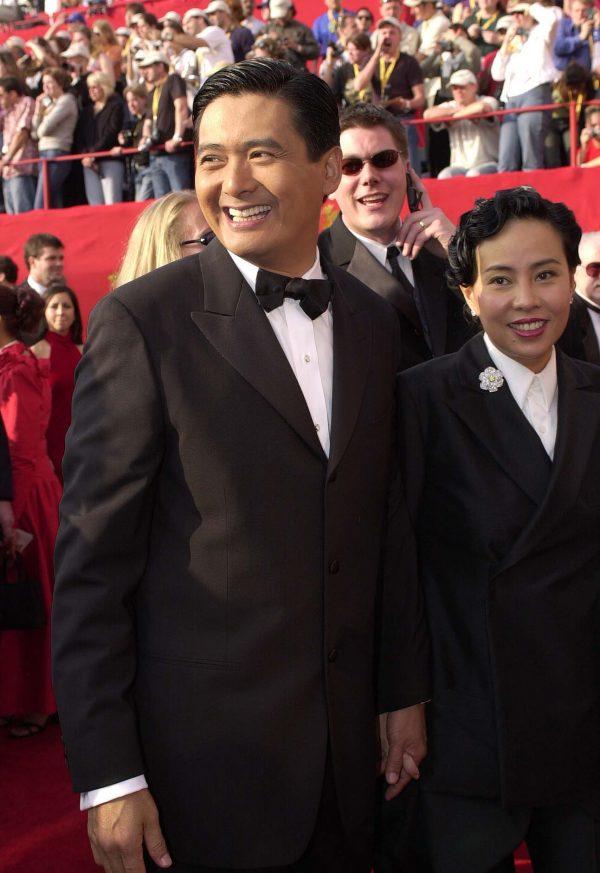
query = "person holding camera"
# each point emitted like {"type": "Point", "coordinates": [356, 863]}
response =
{"type": "Point", "coordinates": [53, 125]}
{"type": "Point", "coordinates": [396, 79]}
{"type": "Point", "coordinates": [589, 151]}
{"type": "Point", "coordinates": [576, 35]}
{"type": "Point", "coordinates": [138, 178]}
{"type": "Point", "coordinates": [296, 37]}
{"type": "Point", "coordinates": [341, 78]}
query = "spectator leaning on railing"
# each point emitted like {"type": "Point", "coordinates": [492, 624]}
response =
{"type": "Point", "coordinates": [524, 63]}
{"type": "Point", "coordinates": [473, 143]}
{"type": "Point", "coordinates": [53, 125]}
{"type": "Point", "coordinates": [576, 35]}
{"type": "Point", "coordinates": [18, 183]}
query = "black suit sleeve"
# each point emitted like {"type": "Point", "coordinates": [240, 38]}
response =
{"type": "Point", "coordinates": [5, 468]}
{"type": "Point", "coordinates": [404, 650]}
{"type": "Point", "coordinates": [114, 449]}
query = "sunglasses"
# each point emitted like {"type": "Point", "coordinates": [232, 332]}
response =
{"type": "Point", "coordinates": [203, 240]}
{"type": "Point", "coordinates": [593, 270]}
{"type": "Point", "coordinates": [381, 160]}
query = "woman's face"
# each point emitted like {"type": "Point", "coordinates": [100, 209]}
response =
{"type": "Point", "coordinates": [60, 313]}
{"type": "Point", "coordinates": [523, 290]}
{"type": "Point", "coordinates": [135, 104]}
{"type": "Point", "coordinates": [51, 88]}
{"type": "Point", "coordinates": [96, 93]}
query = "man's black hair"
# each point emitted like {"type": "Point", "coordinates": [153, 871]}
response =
{"type": "Point", "coordinates": [9, 269]}
{"type": "Point", "coordinates": [490, 215]}
{"type": "Point", "coordinates": [311, 101]}
{"type": "Point", "coordinates": [11, 83]}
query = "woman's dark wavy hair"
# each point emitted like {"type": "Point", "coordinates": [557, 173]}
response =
{"type": "Point", "coordinates": [489, 216]}
{"type": "Point", "coordinates": [77, 326]}
{"type": "Point", "coordinates": [312, 104]}
{"type": "Point", "coordinates": [21, 309]}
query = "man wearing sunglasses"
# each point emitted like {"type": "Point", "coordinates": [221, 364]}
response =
{"type": "Point", "coordinates": [403, 261]}
{"type": "Point", "coordinates": [581, 338]}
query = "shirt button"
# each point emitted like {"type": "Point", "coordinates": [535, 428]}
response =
{"type": "Point", "coordinates": [334, 567]}
{"type": "Point", "coordinates": [307, 358]}
{"type": "Point", "coordinates": [542, 429]}
{"type": "Point", "coordinates": [332, 656]}
{"type": "Point", "coordinates": [317, 428]}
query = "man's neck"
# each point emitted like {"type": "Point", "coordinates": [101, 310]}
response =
{"type": "Point", "coordinates": [36, 284]}
{"type": "Point", "coordinates": [390, 56]}
{"type": "Point", "coordinates": [385, 236]}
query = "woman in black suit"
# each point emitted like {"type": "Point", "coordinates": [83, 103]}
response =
{"type": "Point", "coordinates": [500, 445]}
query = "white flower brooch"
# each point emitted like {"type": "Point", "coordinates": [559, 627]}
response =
{"type": "Point", "coordinates": [491, 379]}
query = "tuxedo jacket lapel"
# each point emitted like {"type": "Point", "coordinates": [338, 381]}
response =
{"type": "Point", "coordinates": [237, 327]}
{"type": "Point", "coordinates": [588, 334]}
{"type": "Point", "coordinates": [499, 424]}
{"type": "Point", "coordinates": [351, 359]}
{"type": "Point", "coordinates": [432, 292]}
{"type": "Point", "coordinates": [350, 254]}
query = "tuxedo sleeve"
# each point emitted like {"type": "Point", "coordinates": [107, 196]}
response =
{"type": "Point", "coordinates": [404, 651]}
{"type": "Point", "coordinates": [113, 451]}
{"type": "Point", "coordinates": [5, 468]}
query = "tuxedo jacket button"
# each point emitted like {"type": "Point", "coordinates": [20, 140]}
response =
{"type": "Point", "coordinates": [334, 567]}
{"type": "Point", "coordinates": [332, 656]}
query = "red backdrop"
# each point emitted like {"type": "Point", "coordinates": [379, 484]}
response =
{"type": "Point", "coordinates": [95, 236]}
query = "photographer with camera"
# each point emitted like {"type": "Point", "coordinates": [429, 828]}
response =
{"type": "Point", "coordinates": [589, 152]}
{"type": "Point", "coordinates": [138, 179]}
{"type": "Point", "coordinates": [396, 79]}
{"type": "Point", "coordinates": [296, 37]}
{"type": "Point", "coordinates": [576, 34]}
{"type": "Point", "coordinates": [341, 78]}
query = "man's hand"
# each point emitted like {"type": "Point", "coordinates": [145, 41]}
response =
{"type": "Point", "coordinates": [118, 830]}
{"type": "Point", "coordinates": [428, 227]}
{"type": "Point", "coordinates": [89, 163]}
{"type": "Point", "coordinates": [172, 145]}
{"type": "Point", "coordinates": [586, 29]}
{"type": "Point", "coordinates": [403, 746]}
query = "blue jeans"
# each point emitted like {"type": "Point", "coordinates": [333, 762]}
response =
{"type": "Point", "coordinates": [19, 193]}
{"type": "Point", "coordinates": [479, 170]}
{"type": "Point", "coordinates": [522, 136]}
{"type": "Point", "coordinates": [57, 175]}
{"type": "Point", "coordinates": [143, 184]}
{"type": "Point", "coordinates": [171, 172]}
{"type": "Point", "coordinates": [104, 185]}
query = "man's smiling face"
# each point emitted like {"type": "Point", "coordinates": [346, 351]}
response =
{"type": "Point", "coordinates": [257, 186]}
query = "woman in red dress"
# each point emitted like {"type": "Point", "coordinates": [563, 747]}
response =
{"type": "Point", "coordinates": [61, 343]}
{"type": "Point", "coordinates": [25, 687]}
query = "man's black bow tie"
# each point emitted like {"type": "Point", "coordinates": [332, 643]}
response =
{"type": "Point", "coordinates": [314, 294]}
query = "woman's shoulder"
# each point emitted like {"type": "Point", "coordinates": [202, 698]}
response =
{"type": "Point", "coordinates": [430, 375]}
{"type": "Point", "coordinates": [42, 349]}
{"type": "Point", "coordinates": [18, 365]}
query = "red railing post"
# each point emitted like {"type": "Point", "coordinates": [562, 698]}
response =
{"type": "Point", "coordinates": [46, 183]}
{"type": "Point", "coordinates": [573, 133]}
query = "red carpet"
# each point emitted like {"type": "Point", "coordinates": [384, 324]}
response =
{"type": "Point", "coordinates": [41, 828]}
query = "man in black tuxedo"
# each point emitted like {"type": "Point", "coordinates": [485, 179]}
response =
{"type": "Point", "coordinates": [44, 256]}
{"type": "Point", "coordinates": [227, 477]}
{"type": "Point", "coordinates": [581, 338]}
{"type": "Point", "coordinates": [403, 261]}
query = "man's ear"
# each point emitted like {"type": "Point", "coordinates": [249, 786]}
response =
{"type": "Point", "coordinates": [333, 170]}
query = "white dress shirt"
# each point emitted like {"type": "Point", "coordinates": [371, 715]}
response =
{"type": "Point", "coordinates": [536, 394]}
{"type": "Point", "coordinates": [379, 252]}
{"type": "Point", "coordinates": [531, 65]}
{"type": "Point", "coordinates": [308, 346]}
{"type": "Point", "coordinates": [594, 315]}
{"type": "Point", "coordinates": [37, 286]}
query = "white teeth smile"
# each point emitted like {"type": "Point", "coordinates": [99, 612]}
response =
{"type": "Point", "coordinates": [529, 325]}
{"type": "Point", "coordinates": [375, 198]}
{"type": "Point", "coordinates": [240, 215]}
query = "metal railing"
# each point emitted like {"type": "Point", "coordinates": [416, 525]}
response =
{"type": "Point", "coordinates": [572, 106]}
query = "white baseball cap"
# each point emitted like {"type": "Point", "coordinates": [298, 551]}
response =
{"type": "Point", "coordinates": [463, 77]}
{"type": "Point", "coordinates": [76, 50]}
{"type": "Point", "coordinates": [153, 58]}
{"type": "Point", "coordinates": [218, 6]}
{"type": "Point", "coordinates": [194, 12]}
{"type": "Point", "coordinates": [390, 21]}
{"type": "Point", "coordinates": [279, 8]}
{"type": "Point", "coordinates": [171, 16]}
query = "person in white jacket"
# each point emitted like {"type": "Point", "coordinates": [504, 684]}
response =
{"type": "Point", "coordinates": [524, 63]}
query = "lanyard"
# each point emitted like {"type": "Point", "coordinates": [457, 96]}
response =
{"type": "Point", "coordinates": [385, 73]}
{"type": "Point", "coordinates": [155, 101]}
{"type": "Point", "coordinates": [362, 93]}
{"type": "Point", "coordinates": [332, 22]}
{"type": "Point", "coordinates": [489, 22]}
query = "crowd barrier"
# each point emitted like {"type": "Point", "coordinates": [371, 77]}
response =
{"type": "Point", "coordinates": [572, 107]}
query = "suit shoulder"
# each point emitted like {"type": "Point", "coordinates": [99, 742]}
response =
{"type": "Point", "coordinates": [360, 294]}
{"type": "Point", "coordinates": [586, 372]}
{"type": "Point", "coordinates": [430, 375]}
{"type": "Point", "coordinates": [166, 286]}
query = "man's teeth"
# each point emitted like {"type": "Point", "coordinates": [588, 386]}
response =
{"type": "Point", "coordinates": [529, 325]}
{"type": "Point", "coordinates": [247, 214]}
{"type": "Point", "coordinates": [376, 198]}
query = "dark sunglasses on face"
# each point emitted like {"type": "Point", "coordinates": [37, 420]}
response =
{"type": "Point", "coordinates": [381, 160]}
{"type": "Point", "coordinates": [201, 241]}
{"type": "Point", "coordinates": [364, 18]}
{"type": "Point", "coordinates": [593, 270]}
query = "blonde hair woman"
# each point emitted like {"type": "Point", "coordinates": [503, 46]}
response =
{"type": "Point", "coordinates": [100, 126]}
{"type": "Point", "coordinates": [106, 51]}
{"type": "Point", "coordinates": [170, 228]}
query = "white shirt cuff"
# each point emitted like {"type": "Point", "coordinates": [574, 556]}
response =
{"type": "Point", "coordinates": [111, 792]}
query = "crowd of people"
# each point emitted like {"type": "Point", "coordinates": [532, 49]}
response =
{"type": "Point", "coordinates": [94, 89]}
{"type": "Point", "coordinates": [194, 584]}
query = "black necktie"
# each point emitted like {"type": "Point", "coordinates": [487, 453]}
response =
{"type": "Point", "coordinates": [392, 256]}
{"type": "Point", "coordinates": [314, 294]}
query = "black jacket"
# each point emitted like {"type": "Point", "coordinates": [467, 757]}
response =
{"type": "Point", "coordinates": [579, 339]}
{"type": "Point", "coordinates": [217, 575]}
{"type": "Point", "coordinates": [509, 555]}
{"type": "Point", "coordinates": [447, 325]}
{"type": "Point", "coordinates": [99, 132]}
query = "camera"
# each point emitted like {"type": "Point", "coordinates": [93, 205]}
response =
{"type": "Point", "coordinates": [595, 131]}
{"type": "Point", "coordinates": [337, 51]}
{"type": "Point", "coordinates": [446, 46]}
